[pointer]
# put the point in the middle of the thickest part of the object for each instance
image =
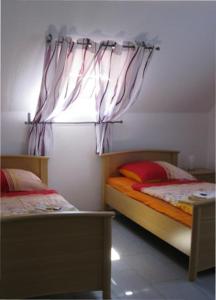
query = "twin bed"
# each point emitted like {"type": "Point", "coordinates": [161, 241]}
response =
{"type": "Point", "coordinates": [55, 252]}
{"type": "Point", "coordinates": [65, 251]}
{"type": "Point", "coordinates": [194, 235]}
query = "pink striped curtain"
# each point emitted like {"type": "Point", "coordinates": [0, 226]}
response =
{"type": "Point", "coordinates": [123, 72]}
{"type": "Point", "coordinates": [112, 77]}
{"type": "Point", "coordinates": [65, 66]}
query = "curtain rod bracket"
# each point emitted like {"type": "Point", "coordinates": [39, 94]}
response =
{"type": "Point", "coordinates": [29, 117]}
{"type": "Point", "coordinates": [49, 38]}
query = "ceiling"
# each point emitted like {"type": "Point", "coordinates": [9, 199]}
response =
{"type": "Point", "coordinates": [180, 77]}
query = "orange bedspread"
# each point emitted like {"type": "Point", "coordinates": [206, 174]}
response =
{"type": "Point", "coordinates": [124, 185]}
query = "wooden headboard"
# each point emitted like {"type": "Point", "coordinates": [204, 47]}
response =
{"type": "Point", "coordinates": [36, 164]}
{"type": "Point", "coordinates": [111, 161]}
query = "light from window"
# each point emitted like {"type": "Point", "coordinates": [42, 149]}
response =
{"type": "Point", "coordinates": [114, 255]}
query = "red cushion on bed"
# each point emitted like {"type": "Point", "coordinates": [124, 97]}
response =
{"type": "Point", "coordinates": [143, 171]}
{"type": "Point", "coordinates": [4, 183]}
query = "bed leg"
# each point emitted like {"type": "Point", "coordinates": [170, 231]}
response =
{"type": "Point", "coordinates": [107, 259]}
{"type": "Point", "coordinates": [193, 259]}
{"type": "Point", "coordinates": [192, 274]}
{"type": "Point", "coordinates": [202, 254]}
{"type": "Point", "coordinates": [107, 293]}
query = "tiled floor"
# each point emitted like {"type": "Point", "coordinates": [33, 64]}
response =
{"type": "Point", "coordinates": [148, 268]}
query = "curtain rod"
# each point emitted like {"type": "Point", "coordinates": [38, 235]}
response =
{"type": "Point", "coordinates": [87, 42]}
{"type": "Point", "coordinates": [29, 122]}
{"type": "Point", "coordinates": [74, 123]}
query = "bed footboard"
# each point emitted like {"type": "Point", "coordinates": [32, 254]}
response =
{"type": "Point", "coordinates": [55, 253]}
{"type": "Point", "coordinates": [202, 255]}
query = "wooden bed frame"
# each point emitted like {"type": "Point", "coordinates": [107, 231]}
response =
{"type": "Point", "coordinates": [198, 242]}
{"type": "Point", "coordinates": [53, 253]}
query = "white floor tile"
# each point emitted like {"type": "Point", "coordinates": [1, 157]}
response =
{"type": "Point", "coordinates": [155, 270]}
{"type": "Point", "coordinates": [121, 264]}
{"type": "Point", "coordinates": [157, 263]}
{"type": "Point", "coordinates": [181, 290]}
{"type": "Point", "coordinates": [206, 282]}
{"type": "Point", "coordinates": [130, 285]}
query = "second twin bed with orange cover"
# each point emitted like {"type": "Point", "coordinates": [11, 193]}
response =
{"type": "Point", "coordinates": [173, 209]}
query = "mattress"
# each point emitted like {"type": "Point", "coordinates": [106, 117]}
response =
{"type": "Point", "coordinates": [33, 202]}
{"type": "Point", "coordinates": [124, 185]}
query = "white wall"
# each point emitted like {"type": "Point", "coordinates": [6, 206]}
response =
{"type": "Point", "coordinates": [75, 170]}
{"type": "Point", "coordinates": [183, 132]}
{"type": "Point", "coordinates": [211, 139]}
{"type": "Point", "coordinates": [170, 113]}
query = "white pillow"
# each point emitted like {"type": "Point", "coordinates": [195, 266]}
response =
{"type": "Point", "coordinates": [174, 172]}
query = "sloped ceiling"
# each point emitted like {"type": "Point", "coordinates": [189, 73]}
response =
{"type": "Point", "coordinates": [181, 75]}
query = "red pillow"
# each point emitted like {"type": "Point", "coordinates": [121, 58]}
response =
{"type": "Point", "coordinates": [4, 183]}
{"type": "Point", "coordinates": [144, 171]}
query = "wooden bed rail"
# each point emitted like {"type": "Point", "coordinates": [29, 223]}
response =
{"type": "Point", "coordinates": [55, 253]}
{"type": "Point", "coordinates": [58, 215]}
